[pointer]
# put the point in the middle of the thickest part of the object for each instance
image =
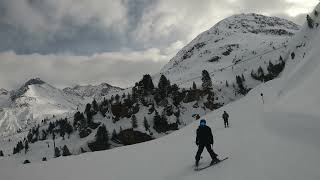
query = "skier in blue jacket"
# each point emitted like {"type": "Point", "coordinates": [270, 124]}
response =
{"type": "Point", "coordinates": [205, 140]}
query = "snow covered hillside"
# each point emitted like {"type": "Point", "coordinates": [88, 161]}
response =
{"type": "Point", "coordinates": [274, 140]}
{"type": "Point", "coordinates": [236, 45]}
{"type": "Point", "coordinates": [36, 100]}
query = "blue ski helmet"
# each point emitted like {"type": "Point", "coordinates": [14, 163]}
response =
{"type": "Point", "coordinates": [202, 122]}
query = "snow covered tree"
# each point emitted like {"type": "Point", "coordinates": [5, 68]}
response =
{"type": "Point", "coordinates": [57, 152]}
{"type": "Point", "coordinates": [134, 121]}
{"type": "Point", "coordinates": [146, 124]}
{"type": "Point", "coordinates": [65, 151]}
{"type": "Point", "coordinates": [242, 89]}
{"type": "Point", "coordinates": [117, 98]}
{"type": "Point", "coordinates": [114, 135]}
{"type": "Point", "coordinates": [95, 105]}
{"type": "Point", "coordinates": [194, 85]}
{"type": "Point", "coordinates": [88, 113]}
{"type": "Point", "coordinates": [146, 83]}
{"type": "Point", "coordinates": [206, 80]}
{"type": "Point", "coordinates": [163, 88]}
{"type": "Point", "coordinates": [26, 147]}
{"type": "Point", "coordinates": [101, 140]}
{"type": "Point", "coordinates": [160, 122]}
{"type": "Point", "coordinates": [151, 109]}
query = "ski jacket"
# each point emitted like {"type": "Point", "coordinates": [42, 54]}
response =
{"type": "Point", "coordinates": [204, 135]}
{"type": "Point", "coordinates": [225, 116]}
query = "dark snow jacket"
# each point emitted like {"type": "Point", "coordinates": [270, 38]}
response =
{"type": "Point", "coordinates": [225, 116]}
{"type": "Point", "coordinates": [204, 136]}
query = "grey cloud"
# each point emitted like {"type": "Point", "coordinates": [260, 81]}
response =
{"type": "Point", "coordinates": [117, 68]}
{"type": "Point", "coordinates": [106, 40]}
{"type": "Point", "coordinates": [96, 26]}
{"type": "Point", "coordinates": [299, 19]}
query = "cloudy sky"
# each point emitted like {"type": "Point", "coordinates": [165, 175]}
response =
{"type": "Point", "coordinates": [68, 42]}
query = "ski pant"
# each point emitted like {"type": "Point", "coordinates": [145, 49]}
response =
{"type": "Point", "coordinates": [226, 123]}
{"type": "Point", "coordinates": [209, 149]}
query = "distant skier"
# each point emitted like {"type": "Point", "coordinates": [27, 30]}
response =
{"type": "Point", "coordinates": [225, 117]}
{"type": "Point", "coordinates": [205, 140]}
{"type": "Point", "coordinates": [262, 98]}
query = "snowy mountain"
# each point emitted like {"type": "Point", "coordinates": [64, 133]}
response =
{"type": "Point", "coordinates": [234, 46]}
{"type": "Point", "coordinates": [93, 92]}
{"type": "Point", "coordinates": [33, 102]}
{"type": "Point", "coordinates": [37, 100]}
{"type": "Point", "coordinates": [277, 139]}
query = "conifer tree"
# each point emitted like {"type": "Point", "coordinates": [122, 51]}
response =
{"type": "Point", "coordinates": [146, 124]}
{"type": "Point", "coordinates": [206, 80]}
{"type": "Point", "coordinates": [114, 135]}
{"type": "Point", "coordinates": [134, 121]}
{"type": "Point", "coordinates": [310, 21]}
{"type": "Point", "coordinates": [163, 86]}
{"type": "Point", "coordinates": [57, 152]}
{"type": "Point", "coordinates": [26, 147]}
{"type": "Point", "coordinates": [194, 86]}
{"type": "Point", "coordinates": [95, 105]}
{"type": "Point", "coordinates": [65, 151]}
{"type": "Point", "coordinates": [101, 140]}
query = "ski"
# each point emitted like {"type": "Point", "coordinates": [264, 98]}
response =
{"type": "Point", "coordinates": [202, 168]}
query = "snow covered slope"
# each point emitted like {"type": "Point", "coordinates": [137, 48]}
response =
{"type": "Point", "coordinates": [264, 142]}
{"type": "Point", "coordinates": [234, 46]}
{"type": "Point", "coordinates": [275, 140]}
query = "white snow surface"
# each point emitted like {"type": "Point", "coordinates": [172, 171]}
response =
{"type": "Point", "coordinates": [275, 140]}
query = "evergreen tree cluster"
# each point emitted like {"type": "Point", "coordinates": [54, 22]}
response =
{"type": "Point", "coordinates": [18, 147]}
{"type": "Point", "coordinates": [241, 87]}
{"type": "Point", "coordinates": [101, 141]}
{"type": "Point", "coordinates": [273, 71]}
{"type": "Point", "coordinates": [310, 21]}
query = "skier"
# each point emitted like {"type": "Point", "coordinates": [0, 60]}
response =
{"type": "Point", "coordinates": [262, 98]}
{"type": "Point", "coordinates": [225, 117]}
{"type": "Point", "coordinates": [205, 140]}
